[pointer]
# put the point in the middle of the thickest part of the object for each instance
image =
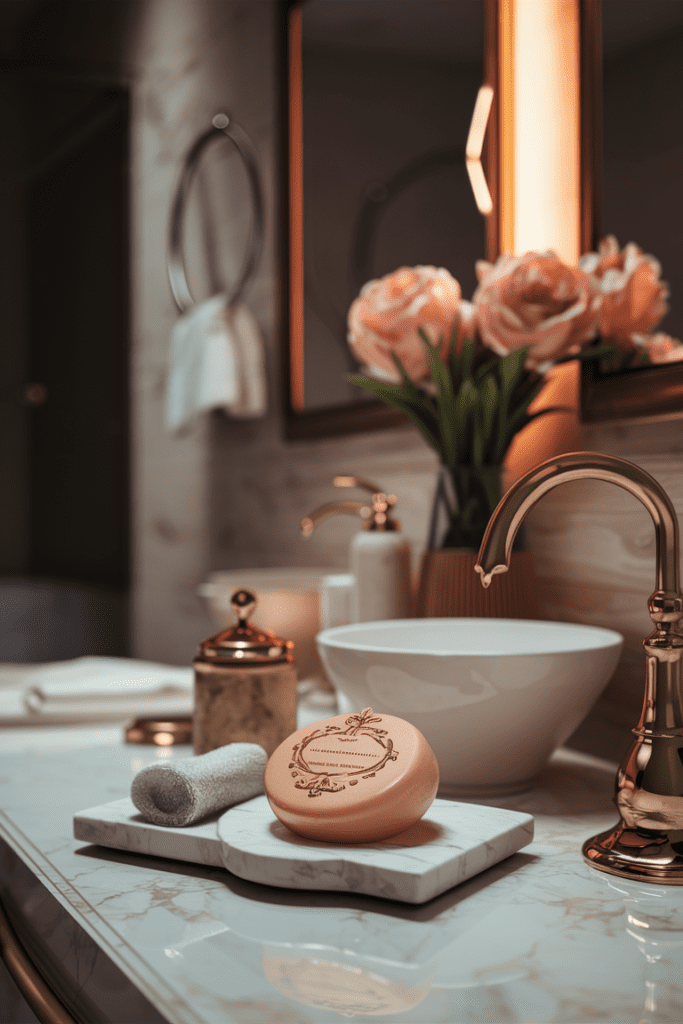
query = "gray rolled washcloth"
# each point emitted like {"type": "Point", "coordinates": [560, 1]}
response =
{"type": "Point", "coordinates": [182, 792]}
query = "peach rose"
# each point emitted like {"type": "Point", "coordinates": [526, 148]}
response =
{"type": "Point", "coordinates": [388, 313]}
{"type": "Point", "coordinates": [661, 348]}
{"type": "Point", "coordinates": [633, 297]}
{"type": "Point", "coordinates": [535, 300]}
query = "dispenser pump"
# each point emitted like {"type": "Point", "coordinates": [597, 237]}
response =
{"type": "Point", "coordinates": [379, 556]}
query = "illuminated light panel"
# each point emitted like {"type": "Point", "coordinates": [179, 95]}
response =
{"type": "Point", "coordinates": [539, 192]}
{"type": "Point", "coordinates": [506, 125]}
{"type": "Point", "coordinates": [480, 119]}
{"type": "Point", "coordinates": [482, 196]}
{"type": "Point", "coordinates": [296, 214]}
{"type": "Point", "coordinates": [546, 127]}
{"type": "Point", "coordinates": [475, 144]}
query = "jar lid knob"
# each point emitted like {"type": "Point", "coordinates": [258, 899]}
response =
{"type": "Point", "coordinates": [243, 603]}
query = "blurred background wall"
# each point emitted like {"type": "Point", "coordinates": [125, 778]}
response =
{"type": "Point", "coordinates": [221, 494]}
{"type": "Point", "coordinates": [224, 493]}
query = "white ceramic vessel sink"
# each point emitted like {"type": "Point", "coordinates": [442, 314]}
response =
{"type": "Point", "coordinates": [493, 697]}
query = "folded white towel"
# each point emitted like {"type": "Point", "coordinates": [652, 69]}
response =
{"type": "Point", "coordinates": [216, 361]}
{"type": "Point", "coordinates": [181, 792]}
{"type": "Point", "coordinates": [99, 683]}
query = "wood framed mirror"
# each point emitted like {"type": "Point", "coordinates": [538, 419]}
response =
{"type": "Point", "coordinates": [378, 104]}
{"type": "Point", "coordinates": [634, 134]}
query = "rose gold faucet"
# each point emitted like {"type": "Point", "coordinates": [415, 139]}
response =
{"type": "Point", "coordinates": [647, 844]}
{"type": "Point", "coordinates": [376, 515]}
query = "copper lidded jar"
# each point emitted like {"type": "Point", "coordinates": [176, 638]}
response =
{"type": "Point", "coordinates": [245, 685]}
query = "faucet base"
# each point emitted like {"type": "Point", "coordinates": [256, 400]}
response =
{"type": "Point", "coordinates": [642, 854]}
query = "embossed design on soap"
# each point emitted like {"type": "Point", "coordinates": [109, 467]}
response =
{"type": "Point", "coordinates": [325, 757]}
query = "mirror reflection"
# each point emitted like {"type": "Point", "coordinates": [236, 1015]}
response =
{"type": "Point", "coordinates": [640, 145]}
{"type": "Point", "coordinates": [388, 91]}
{"type": "Point", "coordinates": [643, 135]}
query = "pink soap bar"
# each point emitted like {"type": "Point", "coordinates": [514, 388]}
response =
{"type": "Point", "coordinates": [355, 778]}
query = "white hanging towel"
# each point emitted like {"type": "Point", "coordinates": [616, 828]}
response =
{"type": "Point", "coordinates": [216, 361]}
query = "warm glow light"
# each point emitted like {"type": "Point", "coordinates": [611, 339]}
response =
{"type": "Point", "coordinates": [482, 196]}
{"type": "Point", "coordinates": [506, 124]}
{"type": "Point", "coordinates": [475, 144]}
{"type": "Point", "coordinates": [296, 213]}
{"type": "Point", "coordinates": [480, 118]}
{"type": "Point", "coordinates": [546, 127]}
{"type": "Point", "coordinates": [539, 191]}
{"type": "Point", "coordinates": [163, 739]}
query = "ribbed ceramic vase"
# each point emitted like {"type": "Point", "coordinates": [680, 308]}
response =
{"type": "Point", "coordinates": [448, 584]}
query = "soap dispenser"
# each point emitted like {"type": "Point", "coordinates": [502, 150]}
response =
{"type": "Point", "coordinates": [379, 555]}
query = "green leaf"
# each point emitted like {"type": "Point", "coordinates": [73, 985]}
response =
{"type": "Point", "coordinates": [491, 484]}
{"type": "Point", "coordinates": [455, 360]}
{"type": "Point", "coordinates": [478, 440]}
{"type": "Point", "coordinates": [529, 395]}
{"type": "Point", "coordinates": [488, 391]}
{"type": "Point", "coordinates": [412, 393]}
{"type": "Point", "coordinates": [591, 352]}
{"type": "Point", "coordinates": [510, 370]}
{"type": "Point", "coordinates": [445, 401]}
{"type": "Point", "coordinates": [408, 384]}
{"type": "Point", "coordinates": [526, 391]}
{"type": "Point", "coordinates": [467, 358]}
{"type": "Point", "coordinates": [380, 388]}
{"type": "Point", "coordinates": [519, 416]}
{"type": "Point", "coordinates": [528, 418]}
{"type": "Point", "coordinates": [486, 367]}
{"type": "Point", "coordinates": [486, 413]}
{"type": "Point", "coordinates": [392, 394]}
{"type": "Point", "coordinates": [455, 370]}
{"type": "Point", "coordinates": [406, 392]}
{"type": "Point", "coordinates": [453, 338]}
{"type": "Point", "coordinates": [464, 409]}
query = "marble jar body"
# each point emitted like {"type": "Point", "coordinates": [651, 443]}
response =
{"type": "Point", "coordinates": [243, 704]}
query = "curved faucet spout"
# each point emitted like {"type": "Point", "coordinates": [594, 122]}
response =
{"type": "Point", "coordinates": [494, 554]}
{"type": "Point", "coordinates": [649, 785]}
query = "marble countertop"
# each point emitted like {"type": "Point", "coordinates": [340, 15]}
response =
{"type": "Point", "coordinates": [539, 938]}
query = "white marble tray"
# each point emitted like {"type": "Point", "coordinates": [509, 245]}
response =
{"type": "Point", "coordinates": [453, 842]}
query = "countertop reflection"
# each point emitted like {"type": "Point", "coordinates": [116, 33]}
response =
{"type": "Point", "coordinates": [539, 938]}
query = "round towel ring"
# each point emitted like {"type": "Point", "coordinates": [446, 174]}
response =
{"type": "Point", "coordinates": [221, 125]}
